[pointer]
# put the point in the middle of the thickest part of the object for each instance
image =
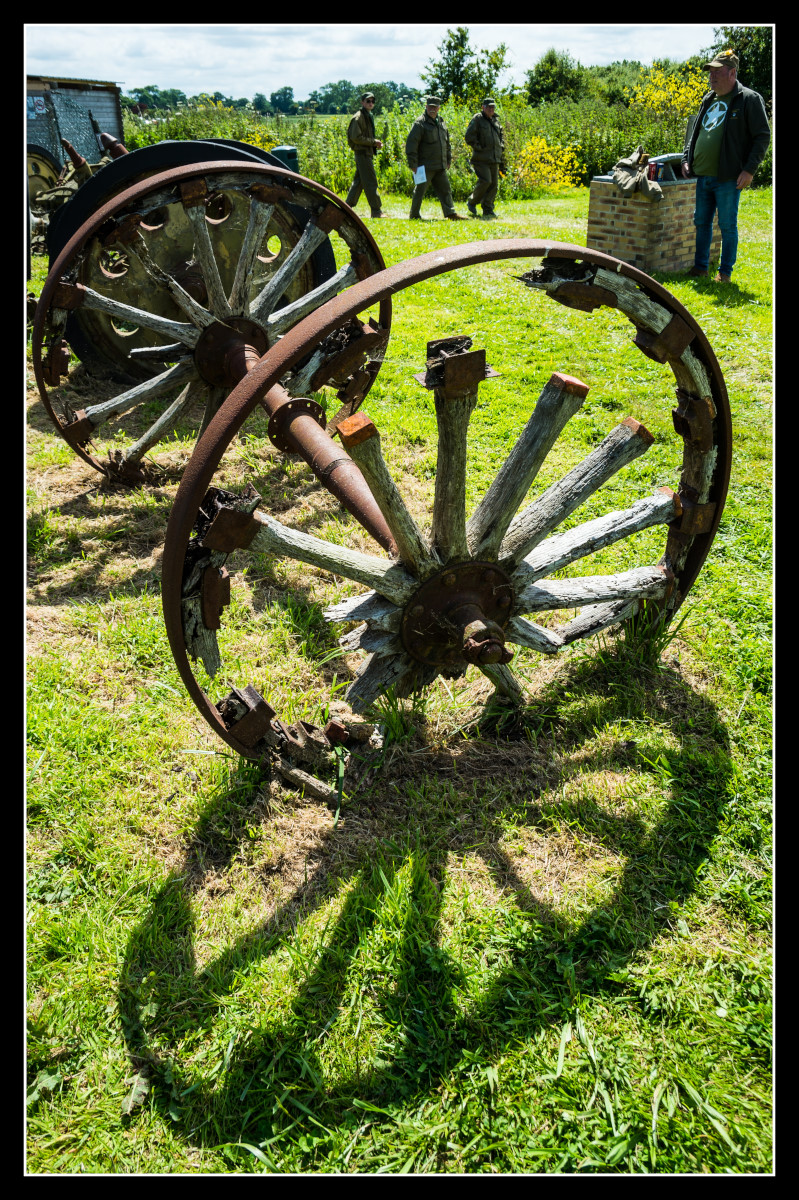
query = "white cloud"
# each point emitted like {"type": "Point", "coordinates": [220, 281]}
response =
{"type": "Point", "coordinates": [241, 60]}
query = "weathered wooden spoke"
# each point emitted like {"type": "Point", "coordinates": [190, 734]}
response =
{"type": "Point", "coordinates": [518, 576]}
{"type": "Point", "coordinates": [191, 275]}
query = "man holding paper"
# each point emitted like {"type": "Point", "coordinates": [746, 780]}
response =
{"type": "Point", "coordinates": [429, 156]}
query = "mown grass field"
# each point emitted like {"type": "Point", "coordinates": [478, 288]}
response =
{"type": "Point", "coordinates": [531, 944]}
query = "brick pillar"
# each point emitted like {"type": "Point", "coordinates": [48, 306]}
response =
{"type": "Point", "coordinates": [653, 235]}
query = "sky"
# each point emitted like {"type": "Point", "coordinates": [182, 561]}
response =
{"type": "Point", "coordinates": [240, 60]}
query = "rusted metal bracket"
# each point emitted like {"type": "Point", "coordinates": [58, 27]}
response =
{"type": "Point", "coordinates": [359, 343]}
{"type": "Point", "coordinates": [271, 194]}
{"type": "Point", "coordinates": [68, 296]}
{"type": "Point", "coordinates": [215, 595]}
{"type": "Point", "coordinates": [454, 368]}
{"type": "Point", "coordinates": [583, 296]}
{"type": "Point", "coordinates": [79, 432]}
{"type": "Point", "coordinates": [56, 362]}
{"type": "Point", "coordinates": [247, 716]}
{"type": "Point", "coordinates": [193, 192]}
{"type": "Point", "coordinates": [230, 530]}
{"type": "Point", "coordinates": [693, 419]}
{"type": "Point", "coordinates": [694, 518]}
{"type": "Point", "coordinates": [121, 232]}
{"type": "Point", "coordinates": [670, 343]}
{"type": "Point", "coordinates": [329, 218]}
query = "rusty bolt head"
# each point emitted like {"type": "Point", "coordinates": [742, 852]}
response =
{"type": "Point", "coordinates": [417, 610]}
{"type": "Point", "coordinates": [449, 579]}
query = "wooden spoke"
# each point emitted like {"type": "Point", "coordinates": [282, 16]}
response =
{"type": "Point", "coordinates": [99, 413]}
{"type": "Point", "coordinates": [262, 306]}
{"type": "Point", "coordinates": [260, 214]}
{"type": "Point", "coordinates": [360, 438]}
{"type": "Point", "coordinates": [595, 618]}
{"type": "Point", "coordinates": [535, 637]}
{"type": "Point", "coordinates": [375, 676]}
{"type": "Point", "coordinates": [638, 584]}
{"type": "Point", "coordinates": [625, 443]}
{"type": "Point", "coordinates": [204, 251]}
{"type": "Point", "coordinates": [191, 392]}
{"type": "Point", "coordinates": [448, 536]}
{"type": "Point", "coordinates": [157, 353]}
{"type": "Point", "coordinates": [368, 606]}
{"type": "Point", "coordinates": [187, 334]}
{"type": "Point", "coordinates": [198, 315]}
{"type": "Point", "coordinates": [560, 400]}
{"type": "Point", "coordinates": [216, 398]}
{"type": "Point", "coordinates": [389, 579]}
{"type": "Point", "coordinates": [282, 320]}
{"type": "Point", "coordinates": [374, 641]}
{"type": "Point", "coordinates": [504, 681]}
{"type": "Point", "coordinates": [557, 552]}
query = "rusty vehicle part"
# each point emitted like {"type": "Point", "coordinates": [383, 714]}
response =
{"type": "Point", "coordinates": [465, 593]}
{"type": "Point", "coordinates": [43, 171]}
{"type": "Point", "coordinates": [188, 277]}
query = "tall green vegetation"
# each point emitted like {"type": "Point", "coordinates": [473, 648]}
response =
{"type": "Point", "coordinates": [463, 72]}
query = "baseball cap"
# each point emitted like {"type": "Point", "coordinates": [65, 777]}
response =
{"type": "Point", "coordinates": [489, 100]}
{"type": "Point", "coordinates": [433, 100]}
{"type": "Point", "coordinates": [367, 96]}
{"type": "Point", "coordinates": [727, 58]}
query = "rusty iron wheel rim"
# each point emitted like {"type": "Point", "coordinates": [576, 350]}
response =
{"type": "Point", "coordinates": [693, 528]}
{"type": "Point", "coordinates": [229, 176]}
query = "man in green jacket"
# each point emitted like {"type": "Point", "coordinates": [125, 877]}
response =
{"type": "Point", "coordinates": [487, 143]}
{"type": "Point", "coordinates": [427, 146]}
{"type": "Point", "coordinates": [364, 145]}
{"type": "Point", "coordinates": [724, 145]}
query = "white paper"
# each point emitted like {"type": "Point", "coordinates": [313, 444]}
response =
{"type": "Point", "coordinates": [420, 175]}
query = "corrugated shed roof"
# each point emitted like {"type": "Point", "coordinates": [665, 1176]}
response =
{"type": "Point", "coordinates": [68, 79]}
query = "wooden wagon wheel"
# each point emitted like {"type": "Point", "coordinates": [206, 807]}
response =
{"type": "Point", "coordinates": [184, 278]}
{"type": "Point", "coordinates": [464, 593]}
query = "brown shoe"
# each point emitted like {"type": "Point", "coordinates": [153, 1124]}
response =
{"type": "Point", "coordinates": [703, 271]}
{"type": "Point", "coordinates": [719, 278]}
{"type": "Point", "coordinates": [456, 217]}
{"type": "Point", "coordinates": [375, 216]}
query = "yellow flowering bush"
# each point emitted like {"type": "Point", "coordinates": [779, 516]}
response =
{"type": "Point", "coordinates": [668, 97]}
{"type": "Point", "coordinates": [540, 166]}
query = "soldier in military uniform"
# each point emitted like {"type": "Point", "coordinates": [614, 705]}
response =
{"type": "Point", "coordinates": [364, 145]}
{"type": "Point", "coordinates": [487, 143]}
{"type": "Point", "coordinates": [428, 146]}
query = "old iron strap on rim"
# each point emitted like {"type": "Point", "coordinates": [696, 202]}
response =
{"type": "Point", "coordinates": [231, 416]}
{"type": "Point", "coordinates": [130, 196]}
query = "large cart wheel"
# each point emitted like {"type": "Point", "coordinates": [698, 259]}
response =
{"type": "Point", "coordinates": [468, 591]}
{"type": "Point", "coordinates": [184, 279]}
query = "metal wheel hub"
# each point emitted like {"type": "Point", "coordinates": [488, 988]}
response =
{"type": "Point", "coordinates": [224, 346]}
{"type": "Point", "coordinates": [459, 615]}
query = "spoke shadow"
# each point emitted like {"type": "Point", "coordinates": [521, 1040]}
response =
{"type": "Point", "coordinates": [397, 846]}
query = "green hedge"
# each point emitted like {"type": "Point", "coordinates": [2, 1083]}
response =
{"type": "Point", "coordinates": [600, 134]}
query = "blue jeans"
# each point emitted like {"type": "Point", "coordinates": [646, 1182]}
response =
{"type": "Point", "coordinates": [711, 195]}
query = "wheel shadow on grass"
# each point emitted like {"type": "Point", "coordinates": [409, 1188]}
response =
{"type": "Point", "coordinates": [385, 865]}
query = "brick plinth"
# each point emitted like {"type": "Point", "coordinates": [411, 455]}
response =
{"type": "Point", "coordinates": [653, 235]}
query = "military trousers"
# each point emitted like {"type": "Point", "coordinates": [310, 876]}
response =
{"type": "Point", "coordinates": [365, 181]}
{"type": "Point", "coordinates": [439, 180]}
{"type": "Point", "coordinates": [485, 190]}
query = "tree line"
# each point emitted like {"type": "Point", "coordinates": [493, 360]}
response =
{"type": "Point", "coordinates": [464, 72]}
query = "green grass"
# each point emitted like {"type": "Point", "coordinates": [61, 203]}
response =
{"type": "Point", "coordinates": [530, 943]}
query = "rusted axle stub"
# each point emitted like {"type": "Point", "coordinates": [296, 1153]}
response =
{"type": "Point", "coordinates": [459, 615]}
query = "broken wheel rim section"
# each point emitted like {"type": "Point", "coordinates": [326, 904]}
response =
{"type": "Point", "coordinates": [408, 629]}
